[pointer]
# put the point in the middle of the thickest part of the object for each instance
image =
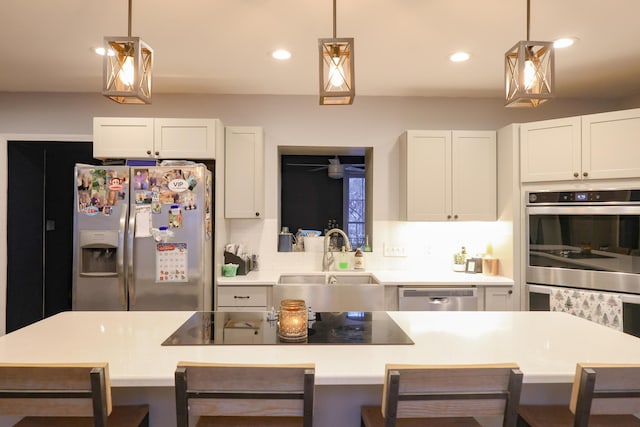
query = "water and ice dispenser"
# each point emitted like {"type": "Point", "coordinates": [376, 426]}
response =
{"type": "Point", "coordinates": [98, 252]}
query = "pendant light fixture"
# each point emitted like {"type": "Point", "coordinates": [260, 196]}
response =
{"type": "Point", "coordinates": [127, 65]}
{"type": "Point", "coordinates": [337, 82]}
{"type": "Point", "coordinates": [529, 72]}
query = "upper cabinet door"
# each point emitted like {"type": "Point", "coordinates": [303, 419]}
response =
{"type": "Point", "coordinates": [611, 145]}
{"type": "Point", "coordinates": [550, 150]}
{"type": "Point", "coordinates": [474, 175]}
{"type": "Point", "coordinates": [122, 138]}
{"type": "Point", "coordinates": [244, 172]}
{"type": "Point", "coordinates": [426, 192]}
{"type": "Point", "coordinates": [185, 138]}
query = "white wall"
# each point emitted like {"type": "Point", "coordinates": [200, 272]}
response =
{"type": "Point", "coordinates": [288, 120]}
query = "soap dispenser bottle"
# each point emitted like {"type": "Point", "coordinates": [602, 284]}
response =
{"type": "Point", "coordinates": [358, 260]}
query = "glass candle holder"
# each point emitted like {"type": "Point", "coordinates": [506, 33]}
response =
{"type": "Point", "coordinates": [293, 320]}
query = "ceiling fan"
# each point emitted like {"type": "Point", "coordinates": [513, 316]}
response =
{"type": "Point", "coordinates": [335, 169]}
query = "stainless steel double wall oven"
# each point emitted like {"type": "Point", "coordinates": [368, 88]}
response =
{"type": "Point", "coordinates": [586, 240]}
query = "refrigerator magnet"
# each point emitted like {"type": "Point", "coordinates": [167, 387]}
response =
{"type": "Point", "coordinates": [175, 216]}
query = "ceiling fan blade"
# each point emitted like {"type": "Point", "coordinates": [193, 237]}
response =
{"type": "Point", "coordinates": [318, 168]}
{"type": "Point", "coordinates": [305, 164]}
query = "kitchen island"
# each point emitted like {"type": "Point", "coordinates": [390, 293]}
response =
{"type": "Point", "coordinates": [546, 346]}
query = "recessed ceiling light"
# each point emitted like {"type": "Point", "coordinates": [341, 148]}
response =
{"type": "Point", "coordinates": [281, 54]}
{"type": "Point", "coordinates": [564, 42]}
{"type": "Point", "coordinates": [459, 57]}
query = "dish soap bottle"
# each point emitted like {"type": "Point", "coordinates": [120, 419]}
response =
{"type": "Point", "coordinates": [358, 260]}
{"type": "Point", "coordinates": [343, 262]}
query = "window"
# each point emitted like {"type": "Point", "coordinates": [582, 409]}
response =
{"type": "Point", "coordinates": [354, 207]}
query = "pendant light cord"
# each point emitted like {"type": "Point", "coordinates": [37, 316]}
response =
{"type": "Point", "coordinates": [334, 18]}
{"type": "Point", "coordinates": [129, 31]}
{"type": "Point", "coordinates": [528, 17]}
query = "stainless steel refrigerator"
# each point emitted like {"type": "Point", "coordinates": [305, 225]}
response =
{"type": "Point", "coordinates": [143, 237]}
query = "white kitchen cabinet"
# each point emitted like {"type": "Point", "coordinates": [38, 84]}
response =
{"type": "Point", "coordinates": [155, 138]}
{"type": "Point", "coordinates": [595, 146]}
{"type": "Point", "coordinates": [498, 298]}
{"type": "Point", "coordinates": [611, 144]}
{"type": "Point", "coordinates": [242, 298]}
{"type": "Point", "coordinates": [244, 172]}
{"type": "Point", "coordinates": [550, 150]}
{"type": "Point", "coordinates": [448, 175]}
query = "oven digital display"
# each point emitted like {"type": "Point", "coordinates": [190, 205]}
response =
{"type": "Point", "coordinates": [582, 197]}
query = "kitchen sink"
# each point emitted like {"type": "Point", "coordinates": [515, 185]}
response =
{"type": "Point", "coordinates": [332, 291]}
{"type": "Point", "coordinates": [353, 279]}
{"type": "Point", "coordinates": [328, 278]}
{"type": "Point", "coordinates": [302, 279]}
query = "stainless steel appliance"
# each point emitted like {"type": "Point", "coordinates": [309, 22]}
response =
{"type": "Point", "coordinates": [585, 240]}
{"type": "Point", "coordinates": [143, 237]}
{"type": "Point", "coordinates": [437, 299]}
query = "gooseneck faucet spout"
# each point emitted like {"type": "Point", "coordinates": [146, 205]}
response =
{"type": "Point", "coordinates": [327, 256]}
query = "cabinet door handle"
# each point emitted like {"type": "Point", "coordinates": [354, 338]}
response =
{"type": "Point", "coordinates": [510, 292]}
{"type": "Point", "coordinates": [585, 174]}
{"type": "Point", "coordinates": [455, 216]}
{"type": "Point", "coordinates": [257, 213]}
{"type": "Point", "coordinates": [576, 174]}
{"type": "Point", "coordinates": [448, 216]}
{"type": "Point", "coordinates": [157, 153]}
{"type": "Point", "coordinates": [241, 297]}
{"type": "Point", "coordinates": [149, 152]}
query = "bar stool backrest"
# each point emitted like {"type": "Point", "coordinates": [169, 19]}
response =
{"type": "Point", "coordinates": [56, 390]}
{"type": "Point", "coordinates": [414, 391]}
{"type": "Point", "coordinates": [605, 389]}
{"type": "Point", "coordinates": [205, 389]}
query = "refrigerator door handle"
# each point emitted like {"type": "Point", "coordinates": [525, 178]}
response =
{"type": "Point", "coordinates": [130, 272]}
{"type": "Point", "coordinates": [120, 259]}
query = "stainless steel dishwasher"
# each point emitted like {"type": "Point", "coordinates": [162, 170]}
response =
{"type": "Point", "coordinates": [437, 299]}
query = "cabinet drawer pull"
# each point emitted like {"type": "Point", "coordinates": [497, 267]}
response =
{"type": "Point", "coordinates": [241, 297]}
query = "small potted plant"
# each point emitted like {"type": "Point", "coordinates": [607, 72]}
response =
{"type": "Point", "coordinates": [459, 260]}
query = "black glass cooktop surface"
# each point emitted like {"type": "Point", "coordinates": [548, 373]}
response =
{"type": "Point", "coordinates": [256, 328]}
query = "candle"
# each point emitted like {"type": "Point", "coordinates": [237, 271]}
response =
{"type": "Point", "coordinates": [293, 320]}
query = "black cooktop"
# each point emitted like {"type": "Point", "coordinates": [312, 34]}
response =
{"type": "Point", "coordinates": [255, 328]}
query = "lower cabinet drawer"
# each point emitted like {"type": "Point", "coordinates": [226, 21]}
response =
{"type": "Point", "coordinates": [247, 296]}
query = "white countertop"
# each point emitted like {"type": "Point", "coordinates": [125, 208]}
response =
{"type": "Point", "coordinates": [546, 346]}
{"type": "Point", "coordinates": [385, 277]}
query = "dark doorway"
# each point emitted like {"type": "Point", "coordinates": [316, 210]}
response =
{"type": "Point", "coordinates": [40, 228]}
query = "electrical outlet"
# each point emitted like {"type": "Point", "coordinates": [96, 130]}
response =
{"type": "Point", "coordinates": [394, 250]}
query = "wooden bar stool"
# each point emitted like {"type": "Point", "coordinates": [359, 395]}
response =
{"type": "Point", "coordinates": [245, 395]}
{"type": "Point", "coordinates": [602, 395]}
{"type": "Point", "coordinates": [64, 395]}
{"type": "Point", "coordinates": [446, 395]}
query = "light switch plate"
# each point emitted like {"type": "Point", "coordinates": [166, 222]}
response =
{"type": "Point", "coordinates": [394, 250]}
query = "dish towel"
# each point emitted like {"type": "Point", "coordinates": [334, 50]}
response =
{"type": "Point", "coordinates": [599, 307]}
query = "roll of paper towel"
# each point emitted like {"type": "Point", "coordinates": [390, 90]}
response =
{"type": "Point", "coordinates": [313, 244]}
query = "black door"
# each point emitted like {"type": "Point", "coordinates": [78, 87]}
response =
{"type": "Point", "coordinates": [40, 228]}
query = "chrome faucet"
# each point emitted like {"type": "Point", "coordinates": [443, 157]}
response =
{"type": "Point", "coordinates": [327, 256]}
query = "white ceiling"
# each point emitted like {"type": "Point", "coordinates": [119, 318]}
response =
{"type": "Point", "coordinates": [401, 46]}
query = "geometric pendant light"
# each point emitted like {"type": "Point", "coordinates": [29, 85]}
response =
{"type": "Point", "coordinates": [127, 67]}
{"type": "Point", "coordinates": [337, 79]}
{"type": "Point", "coordinates": [529, 72]}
